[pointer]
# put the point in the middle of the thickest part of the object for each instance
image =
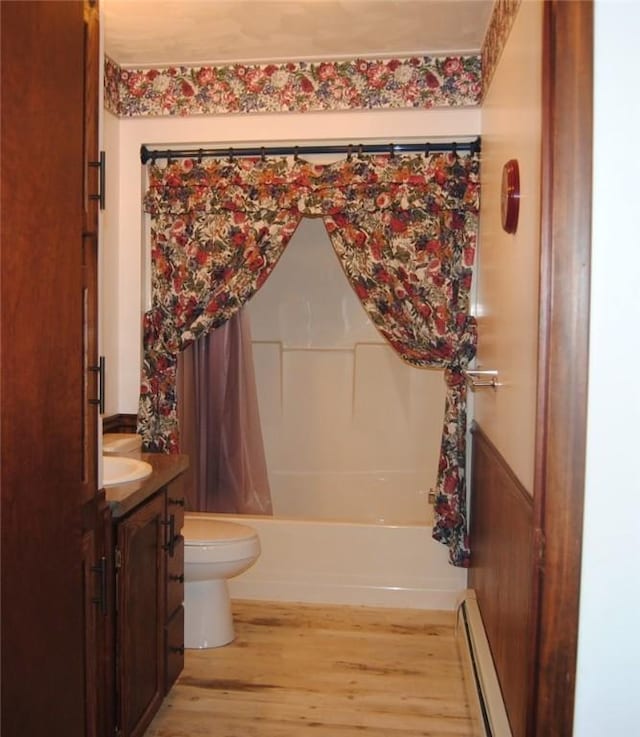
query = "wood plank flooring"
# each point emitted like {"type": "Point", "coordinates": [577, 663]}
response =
{"type": "Point", "coordinates": [296, 670]}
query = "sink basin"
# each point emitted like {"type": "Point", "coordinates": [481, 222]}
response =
{"type": "Point", "coordinates": [118, 470]}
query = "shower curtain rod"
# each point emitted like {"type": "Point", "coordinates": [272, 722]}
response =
{"type": "Point", "coordinates": [152, 155]}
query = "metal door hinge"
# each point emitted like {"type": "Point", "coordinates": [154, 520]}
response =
{"type": "Point", "coordinates": [117, 559]}
{"type": "Point", "coordinates": [101, 599]}
{"type": "Point", "coordinates": [539, 545]}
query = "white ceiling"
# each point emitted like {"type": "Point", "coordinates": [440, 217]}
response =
{"type": "Point", "coordinates": [146, 33]}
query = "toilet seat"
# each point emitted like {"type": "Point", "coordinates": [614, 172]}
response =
{"type": "Point", "coordinates": [214, 532]}
{"type": "Point", "coordinates": [207, 541]}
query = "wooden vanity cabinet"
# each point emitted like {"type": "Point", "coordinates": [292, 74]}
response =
{"type": "Point", "coordinates": [140, 575]}
{"type": "Point", "coordinates": [149, 637]}
{"type": "Point", "coordinates": [174, 623]}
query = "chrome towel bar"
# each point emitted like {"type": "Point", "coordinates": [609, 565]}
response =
{"type": "Point", "coordinates": [481, 379]}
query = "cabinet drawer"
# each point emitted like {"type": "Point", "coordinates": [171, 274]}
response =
{"type": "Point", "coordinates": [174, 637]}
{"type": "Point", "coordinates": [175, 577]}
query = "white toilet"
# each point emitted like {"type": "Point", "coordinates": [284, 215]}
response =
{"type": "Point", "coordinates": [213, 552]}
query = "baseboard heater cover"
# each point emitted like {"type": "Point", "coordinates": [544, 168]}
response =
{"type": "Point", "coordinates": [484, 688]}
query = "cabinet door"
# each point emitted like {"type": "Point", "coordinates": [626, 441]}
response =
{"type": "Point", "coordinates": [140, 616]}
{"type": "Point", "coordinates": [175, 647]}
{"type": "Point", "coordinates": [41, 129]}
{"type": "Point", "coordinates": [98, 619]}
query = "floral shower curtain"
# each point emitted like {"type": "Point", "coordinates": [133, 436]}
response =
{"type": "Point", "coordinates": [404, 229]}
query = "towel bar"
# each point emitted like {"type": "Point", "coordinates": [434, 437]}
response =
{"type": "Point", "coordinates": [482, 379]}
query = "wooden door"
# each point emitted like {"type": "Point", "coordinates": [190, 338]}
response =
{"type": "Point", "coordinates": [91, 194]}
{"type": "Point", "coordinates": [42, 102]}
{"type": "Point", "coordinates": [140, 615]}
{"type": "Point", "coordinates": [97, 562]}
{"type": "Point", "coordinates": [527, 552]}
{"type": "Point", "coordinates": [564, 353]}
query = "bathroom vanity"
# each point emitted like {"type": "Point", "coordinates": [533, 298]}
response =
{"type": "Point", "coordinates": [145, 584]}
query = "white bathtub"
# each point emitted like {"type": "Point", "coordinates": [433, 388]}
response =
{"type": "Point", "coordinates": [349, 563]}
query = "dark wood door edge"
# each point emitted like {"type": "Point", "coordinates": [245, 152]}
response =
{"type": "Point", "coordinates": [562, 382]}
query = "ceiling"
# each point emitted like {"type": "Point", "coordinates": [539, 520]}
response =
{"type": "Point", "coordinates": [148, 33]}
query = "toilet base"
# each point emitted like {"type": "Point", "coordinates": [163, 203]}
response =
{"type": "Point", "coordinates": [208, 621]}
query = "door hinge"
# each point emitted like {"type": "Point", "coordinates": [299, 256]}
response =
{"type": "Point", "coordinates": [539, 545]}
{"type": "Point", "coordinates": [117, 559]}
{"type": "Point", "coordinates": [101, 599]}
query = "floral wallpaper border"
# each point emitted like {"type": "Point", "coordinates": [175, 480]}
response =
{"type": "Point", "coordinates": [357, 84]}
{"type": "Point", "coordinates": [502, 17]}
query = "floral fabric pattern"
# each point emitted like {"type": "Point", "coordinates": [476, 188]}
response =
{"type": "Point", "coordinates": [503, 16]}
{"type": "Point", "coordinates": [357, 84]}
{"type": "Point", "coordinates": [404, 229]}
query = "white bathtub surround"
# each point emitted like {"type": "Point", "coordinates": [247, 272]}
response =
{"type": "Point", "coordinates": [352, 437]}
{"type": "Point", "coordinates": [371, 497]}
{"type": "Point", "coordinates": [398, 566]}
{"type": "Point", "coordinates": [350, 430]}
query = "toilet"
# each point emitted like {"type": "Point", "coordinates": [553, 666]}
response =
{"type": "Point", "coordinates": [214, 551]}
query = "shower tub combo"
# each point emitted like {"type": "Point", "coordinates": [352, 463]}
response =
{"type": "Point", "coordinates": [352, 437]}
{"type": "Point", "coordinates": [387, 561]}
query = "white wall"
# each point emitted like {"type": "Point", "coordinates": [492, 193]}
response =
{"type": "Point", "coordinates": [122, 300]}
{"type": "Point", "coordinates": [507, 272]}
{"type": "Point", "coordinates": [109, 266]}
{"type": "Point", "coordinates": [607, 689]}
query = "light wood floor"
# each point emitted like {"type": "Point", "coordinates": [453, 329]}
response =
{"type": "Point", "coordinates": [297, 670]}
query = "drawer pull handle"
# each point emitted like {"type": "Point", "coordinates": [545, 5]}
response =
{"type": "Point", "coordinates": [179, 650]}
{"type": "Point", "coordinates": [177, 502]}
{"type": "Point", "coordinates": [100, 370]}
{"type": "Point", "coordinates": [173, 538]}
{"type": "Point", "coordinates": [100, 165]}
{"type": "Point", "coordinates": [179, 579]}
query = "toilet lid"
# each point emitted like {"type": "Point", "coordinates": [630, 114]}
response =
{"type": "Point", "coordinates": [212, 531]}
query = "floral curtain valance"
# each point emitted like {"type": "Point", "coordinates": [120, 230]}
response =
{"type": "Point", "coordinates": [435, 183]}
{"type": "Point", "coordinates": [404, 229]}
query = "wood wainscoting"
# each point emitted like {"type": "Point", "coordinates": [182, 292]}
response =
{"type": "Point", "coordinates": [501, 534]}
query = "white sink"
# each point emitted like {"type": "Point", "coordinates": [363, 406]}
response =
{"type": "Point", "coordinates": [118, 470]}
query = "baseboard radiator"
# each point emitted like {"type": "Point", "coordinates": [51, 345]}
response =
{"type": "Point", "coordinates": [481, 681]}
